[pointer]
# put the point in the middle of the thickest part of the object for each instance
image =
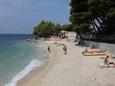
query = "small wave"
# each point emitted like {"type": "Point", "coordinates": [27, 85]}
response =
{"type": "Point", "coordinates": [27, 69]}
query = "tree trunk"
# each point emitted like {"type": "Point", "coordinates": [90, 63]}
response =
{"type": "Point", "coordinates": [81, 41]}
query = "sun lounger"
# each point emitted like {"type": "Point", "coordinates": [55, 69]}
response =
{"type": "Point", "coordinates": [94, 53]}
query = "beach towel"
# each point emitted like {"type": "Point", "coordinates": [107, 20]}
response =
{"type": "Point", "coordinates": [106, 66]}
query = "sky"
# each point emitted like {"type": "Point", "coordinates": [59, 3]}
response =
{"type": "Point", "coordinates": [20, 16]}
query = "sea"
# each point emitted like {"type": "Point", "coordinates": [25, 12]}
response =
{"type": "Point", "coordinates": [19, 57]}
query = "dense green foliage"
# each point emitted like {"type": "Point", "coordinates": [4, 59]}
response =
{"type": "Point", "coordinates": [104, 12]}
{"type": "Point", "coordinates": [79, 16]}
{"type": "Point", "coordinates": [47, 28]}
{"type": "Point", "coordinates": [98, 14]}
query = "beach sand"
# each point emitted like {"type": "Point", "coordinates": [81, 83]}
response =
{"type": "Point", "coordinates": [71, 69]}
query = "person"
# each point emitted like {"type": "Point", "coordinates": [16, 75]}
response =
{"type": "Point", "coordinates": [49, 49]}
{"type": "Point", "coordinates": [108, 60]}
{"type": "Point", "coordinates": [86, 50]}
{"type": "Point", "coordinates": [65, 49]}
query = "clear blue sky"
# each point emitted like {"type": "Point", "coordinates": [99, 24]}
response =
{"type": "Point", "coordinates": [20, 16]}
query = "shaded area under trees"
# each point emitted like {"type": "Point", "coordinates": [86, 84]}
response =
{"type": "Point", "coordinates": [95, 17]}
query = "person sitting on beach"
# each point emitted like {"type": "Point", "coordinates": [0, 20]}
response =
{"type": "Point", "coordinates": [89, 50]}
{"type": "Point", "coordinates": [65, 49]}
{"type": "Point", "coordinates": [86, 49]}
{"type": "Point", "coordinates": [108, 60]}
{"type": "Point", "coordinates": [49, 49]}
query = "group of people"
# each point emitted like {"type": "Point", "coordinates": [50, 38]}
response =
{"type": "Point", "coordinates": [108, 59]}
{"type": "Point", "coordinates": [64, 49]}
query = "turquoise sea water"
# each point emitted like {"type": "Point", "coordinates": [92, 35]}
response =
{"type": "Point", "coordinates": [18, 58]}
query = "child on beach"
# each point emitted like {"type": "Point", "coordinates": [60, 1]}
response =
{"type": "Point", "coordinates": [65, 49]}
{"type": "Point", "coordinates": [49, 49]}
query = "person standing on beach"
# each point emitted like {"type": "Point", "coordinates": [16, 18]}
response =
{"type": "Point", "coordinates": [65, 49]}
{"type": "Point", "coordinates": [49, 49]}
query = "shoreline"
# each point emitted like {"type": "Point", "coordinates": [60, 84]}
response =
{"type": "Point", "coordinates": [39, 72]}
{"type": "Point", "coordinates": [34, 66]}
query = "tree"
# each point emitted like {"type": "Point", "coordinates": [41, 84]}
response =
{"type": "Point", "coordinates": [44, 29]}
{"type": "Point", "coordinates": [100, 14]}
{"type": "Point", "coordinates": [80, 16]}
{"type": "Point", "coordinates": [48, 28]}
{"type": "Point", "coordinates": [103, 11]}
{"type": "Point", "coordinates": [67, 27]}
